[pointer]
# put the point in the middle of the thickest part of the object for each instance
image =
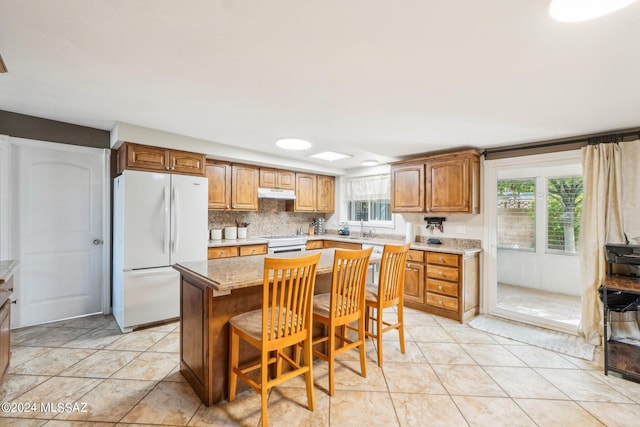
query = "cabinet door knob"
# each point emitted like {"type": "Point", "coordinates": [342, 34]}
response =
{"type": "Point", "coordinates": [440, 273]}
{"type": "Point", "coordinates": [441, 259]}
{"type": "Point", "coordinates": [439, 287]}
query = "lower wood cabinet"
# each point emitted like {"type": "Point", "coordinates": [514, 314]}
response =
{"type": "Point", "coordinates": [443, 284]}
{"type": "Point", "coordinates": [5, 338]}
{"type": "Point", "coordinates": [328, 244]}
{"type": "Point", "coordinates": [233, 251]}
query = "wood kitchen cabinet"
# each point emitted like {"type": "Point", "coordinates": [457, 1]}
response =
{"type": "Point", "coordinates": [159, 159]}
{"type": "Point", "coordinates": [326, 196]}
{"type": "Point", "coordinates": [328, 244]}
{"type": "Point", "coordinates": [244, 187]}
{"type": "Point", "coordinates": [234, 251]}
{"type": "Point", "coordinates": [414, 277]}
{"type": "Point", "coordinates": [276, 178]}
{"type": "Point", "coordinates": [232, 187]}
{"type": "Point", "coordinates": [447, 287]}
{"type": "Point", "coordinates": [314, 193]}
{"type": "Point", "coordinates": [219, 177]}
{"type": "Point", "coordinates": [453, 183]}
{"type": "Point", "coordinates": [443, 183]}
{"type": "Point", "coordinates": [407, 187]}
{"type": "Point", "coordinates": [7, 269]}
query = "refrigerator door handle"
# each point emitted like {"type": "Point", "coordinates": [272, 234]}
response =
{"type": "Point", "coordinates": [165, 211]}
{"type": "Point", "coordinates": [174, 220]}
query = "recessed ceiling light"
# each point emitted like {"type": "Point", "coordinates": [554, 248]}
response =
{"type": "Point", "coordinates": [330, 156]}
{"type": "Point", "coordinates": [369, 162]}
{"type": "Point", "coordinates": [293, 144]}
{"type": "Point", "coordinates": [583, 10]}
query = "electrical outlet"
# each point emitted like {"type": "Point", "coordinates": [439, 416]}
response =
{"type": "Point", "coordinates": [461, 229]}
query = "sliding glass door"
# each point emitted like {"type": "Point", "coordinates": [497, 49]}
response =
{"type": "Point", "coordinates": [533, 207]}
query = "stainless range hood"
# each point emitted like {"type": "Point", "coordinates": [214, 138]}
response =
{"type": "Point", "coordinates": [274, 193]}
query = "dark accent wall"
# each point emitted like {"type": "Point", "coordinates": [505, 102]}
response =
{"type": "Point", "coordinates": [23, 126]}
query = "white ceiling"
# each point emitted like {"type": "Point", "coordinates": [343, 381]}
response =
{"type": "Point", "coordinates": [377, 79]}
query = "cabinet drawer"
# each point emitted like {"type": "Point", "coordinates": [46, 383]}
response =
{"type": "Point", "coordinates": [442, 287]}
{"type": "Point", "coordinates": [442, 273]}
{"type": "Point", "coordinates": [415, 256]}
{"type": "Point", "coordinates": [450, 260]}
{"type": "Point", "coordinates": [328, 244]}
{"type": "Point", "coordinates": [447, 303]}
{"type": "Point", "coordinates": [222, 252]}
{"type": "Point", "coordinates": [315, 244]}
{"type": "Point", "coordinates": [253, 250]}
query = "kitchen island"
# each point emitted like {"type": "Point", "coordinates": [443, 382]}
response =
{"type": "Point", "coordinates": [211, 293]}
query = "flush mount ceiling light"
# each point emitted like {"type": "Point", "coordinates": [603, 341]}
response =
{"type": "Point", "coordinates": [330, 156]}
{"type": "Point", "coordinates": [369, 162]}
{"type": "Point", "coordinates": [293, 144]}
{"type": "Point", "coordinates": [583, 10]}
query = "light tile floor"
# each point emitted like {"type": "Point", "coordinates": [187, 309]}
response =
{"type": "Point", "coordinates": [540, 303]}
{"type": "Point", "coordinates": [450, 375]}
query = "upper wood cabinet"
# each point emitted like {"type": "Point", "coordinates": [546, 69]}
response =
{"type": "Point", "coordinates": [244, 187]}
{"type": "Point", "coordinates": [407, 187]}
{"type": "Point", "coordinates": [306, 188]}
{"type": "Point", "coordinates": [443, 183]}
{"type": "Point", "coordinates": [219, 176]}
{"type": "Point", "coordinates": [326, 195]}
{"type": "Point", "coordinates": [275, 178]}
{"type": "Point", "coordinates": [314, 193]}
{"type": "Point", "coordinates": [158, 159]}
{"type": "Point", "coordinates": [232, 187]}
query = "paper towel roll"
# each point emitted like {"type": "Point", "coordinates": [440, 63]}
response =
{"type": "Point", "coordinates": [410, 234]}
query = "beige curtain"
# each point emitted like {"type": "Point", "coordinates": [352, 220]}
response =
{"type": "Point", "coordinates": [601, 224]}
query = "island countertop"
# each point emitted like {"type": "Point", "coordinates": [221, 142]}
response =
{"type": "Point", "coordinates": [226, 274]}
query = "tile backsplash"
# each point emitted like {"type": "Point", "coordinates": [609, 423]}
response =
{"type": "Point", "coordinates": [270, 219]}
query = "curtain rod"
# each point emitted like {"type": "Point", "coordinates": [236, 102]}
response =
{"type": "Point", "coordinates": [575, 142]}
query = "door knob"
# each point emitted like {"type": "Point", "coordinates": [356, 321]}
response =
{"type": "Point", "coordinates": [98, 241]}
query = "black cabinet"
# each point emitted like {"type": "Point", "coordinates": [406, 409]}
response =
{"type": "Point", "coordinates": [620, 294]}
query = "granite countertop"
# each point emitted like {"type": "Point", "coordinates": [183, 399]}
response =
{"type": "Point", "coordinates": [7, 268]}
{"type": "Point", "coordinates": [227, 274]}
{"type": "Point", "coordinates": [450, 246]}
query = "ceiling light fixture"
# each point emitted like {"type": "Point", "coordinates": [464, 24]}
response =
{"type": "Point", "coordinates": [330, 156]}
{"type": "Point", "coordinates": [3, 67]}
{"type": "Point", "coordinates": [293, 144]}
{"type": "Point", "coordinates": [583, 10]}
{"type": "Point", "coordinates": [369, 162]}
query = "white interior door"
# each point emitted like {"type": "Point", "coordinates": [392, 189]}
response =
{"type": "Point", "coordinates": [61, 212]}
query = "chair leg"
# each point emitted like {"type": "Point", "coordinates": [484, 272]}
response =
{"type": "Point", "coordinates": [401, 327]}
{"type": "Point", "coordinates": [363, 340]}
{"type": "Point", "coordinates": [331, 357]}
{"type": "Point", "coordinates": [379, 334]}
{"type": "Point", "coordinates": [308, 360]}
{"type": "Point", "coordinates": [264, 390]}
{"type": "Point", "coordinates": [234, 346]}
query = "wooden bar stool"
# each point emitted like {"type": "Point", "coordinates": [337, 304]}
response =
{"type": "Point", "coordinates": [388, 293]}
{"type": "Point", "coordinates": [343, 306]}
{"type": "Point", "coordinates": [284, 321]}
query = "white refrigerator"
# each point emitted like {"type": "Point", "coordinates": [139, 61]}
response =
{"type": "Point", "coordinates": [159, 219]}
